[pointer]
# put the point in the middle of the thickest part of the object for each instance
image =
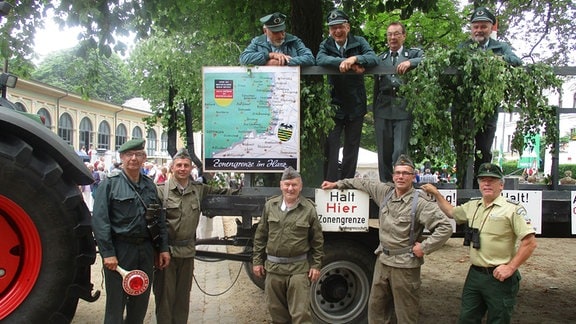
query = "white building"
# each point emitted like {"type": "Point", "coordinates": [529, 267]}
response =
{"type": "Point", "coordinates": [507, 126]}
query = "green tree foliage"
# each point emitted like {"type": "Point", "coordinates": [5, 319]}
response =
{"type": "Point", "coordinates": [481, 83]}
{"type": "Point", "coordinates": [64, 69]}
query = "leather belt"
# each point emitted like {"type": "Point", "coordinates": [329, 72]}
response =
{"type": "Point", "coordinates": [131, 239]}
{"type": "Point", "coordinates": [293, 259]}
{"type": "Point", "coordinates": [392, 92]}
{"type": "Point", "coordinates": [181, 242]}
{"type": "Point", "coordinates": [407, 249]}
{"type": "Point", "coordinates": [486, 270]}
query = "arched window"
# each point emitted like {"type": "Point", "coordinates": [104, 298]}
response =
{"type": "Point", "coordinates": [164, 143]}
{"type": "Point", "coordinates": [20, 107]}
{"type": "Point", "coordinates": [151, 143]}
{"type": "Point", "coordinates": [121, 135]}
{"type": "Point", "coordinates": [65, 128]}
{"type": "Point", "coordinates": [137, 133]}
{"type": "Point", "coordinates": [86, 131]}
{"type": "Point", "coordinates": [45, 115]}
{"type": "Point", "coordinates": [104, 135]}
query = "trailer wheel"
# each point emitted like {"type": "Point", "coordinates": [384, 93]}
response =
{"type": "Point", "coordinates": [248, 268]}
{"type": "Point", "coordinates": [41, 236]}
{"type": "Point", "coordinates": [341, 294]}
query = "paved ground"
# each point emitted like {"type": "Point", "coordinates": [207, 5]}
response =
{"type": "Point", "coordinates": [214, 306]}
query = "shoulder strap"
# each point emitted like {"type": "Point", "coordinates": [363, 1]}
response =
{"type": "Point", "coordinates": [415, 197]}
{"type": "Point", "coordinates": [413, 214]}
{"type": "Point", "coordinates": [135, 191]}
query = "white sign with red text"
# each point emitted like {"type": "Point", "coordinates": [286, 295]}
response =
{"type": "Point", "coordinates": [532, 202]}
{"type": "Point", "coordinates": [345, 210]}
{"type": "Point", "coordinates": [573, 211]}
{"type": "Point", "coordinates": [450, 195]}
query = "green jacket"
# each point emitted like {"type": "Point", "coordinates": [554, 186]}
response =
{"type": "Point", "coordinates": [183, 214]}
{"type": "Point", "coordinates": [289, 234]}
{"type": "Point", "coordinates": [257, 53]}
{"type": "Point", "coordinates": [498, 48]}
{"type": "Point", "coordinates": [118, 211]}
{"type": "Point", "coordinates": [348, 91]}
{"type": "Point", "coordinates": [387, 105]}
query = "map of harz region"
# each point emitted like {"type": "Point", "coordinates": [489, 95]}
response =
{"type": "Point", "coordinates": [251, 118]}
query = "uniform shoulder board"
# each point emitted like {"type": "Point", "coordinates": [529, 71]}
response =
{"type": "Point", "coordinates": [426, 196]}
{"type": "Point", "coordinates": [272, 197]}
{"type": "Point", "coordinates": [310, 201]}
{"type": "Point", "coordinates": [513, 201]}
{"type": "Point", "coordinates": [114, 173]}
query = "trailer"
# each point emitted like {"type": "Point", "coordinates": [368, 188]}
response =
{"type": "Point", "coordinates": [341, 294]}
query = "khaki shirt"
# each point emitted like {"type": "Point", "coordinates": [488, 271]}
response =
{"type": "Point", "coordinates": [501, 225]}
{"type": "Point", "coordinates": [289, 234]}
{"type": "Point", "coordinates": [183, 214]}
{"type": "Point", "coordinates": [396, 220]}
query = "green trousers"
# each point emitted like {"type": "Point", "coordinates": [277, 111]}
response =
{"type": "Point", "coordinates": [172, 291]}
{"type": "Point", "coordinates": [483, 293]}
{"type": "Point", "coordinates": [288, 298]}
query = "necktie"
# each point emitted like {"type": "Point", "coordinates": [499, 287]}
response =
{"type": "Point", "coordinates": [394, 57]}
{"type": "Point", "coordinates": [342, 51]}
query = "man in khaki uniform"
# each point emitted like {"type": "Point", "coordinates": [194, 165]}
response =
{"type": "Point", "coordinates": [288, 250]}
{"type": "Point", "coordinates": [181, 197]}
{"type": "Point", "coordinates": [494, 227]}
{"type": "Point", "coordinates": [404, 214]}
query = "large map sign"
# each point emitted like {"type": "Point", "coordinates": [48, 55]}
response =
{"type": "Point", "coordinates": [251, 118]}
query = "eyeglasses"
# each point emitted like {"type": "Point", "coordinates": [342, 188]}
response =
{"type": "Point", "coordinates": [403, 173]}
{"type": "Point", "coordinates": [395, 34]}
{"type": "Point", "coordinates": [138, 155]}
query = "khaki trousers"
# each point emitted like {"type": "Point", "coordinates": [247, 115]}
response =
{"type": "Point", "coordinates": [172, 291]}
{"type": "Point", "coordinates": [394, 289]}
{"type": "Point", "coordinates": [288, 298]}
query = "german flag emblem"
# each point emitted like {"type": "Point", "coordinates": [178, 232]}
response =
{"type": "Point", "coordinates": [285, 132]}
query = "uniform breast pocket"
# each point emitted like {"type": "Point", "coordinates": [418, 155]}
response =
{"type": "Point", "coordinates": [301, 228]}
{"type": "Point", "coordinates": [123, 204]}
{"type": "Point", "coordinates": [497, 225]}
{"type": "Point", "coordinates": [402, 223]}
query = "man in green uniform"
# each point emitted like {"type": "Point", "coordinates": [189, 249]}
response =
{"type": "Point", "coordinates": [347, 53]}
{"type": "Point", "coordinates": [494, 227]}
{"type": "Point", "coordinates": [404, 214]}
{"type": "Point", "coordinates": [481, 23]}
{"type": "Point", "coordinates": [392, 122]}
{"type": "Point", "coordinates": [122, 204]}
{"type": "Point", "coordinates": [181, 197]}
{"type": "Point", "coordinates": [276, 46]}
{"type": "Point", "coordinates": [288, 250]}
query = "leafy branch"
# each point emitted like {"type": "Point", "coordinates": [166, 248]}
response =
{"type": "Point", "coordinates": [454, 92]}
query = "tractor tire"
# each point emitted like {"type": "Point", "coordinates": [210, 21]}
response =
{"type": "Point", "coordinates": [341, 294]}
{"type": "Point", "coordinates": [46, 243]}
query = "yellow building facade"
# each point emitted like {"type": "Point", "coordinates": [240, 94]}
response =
{"type": "Point", "coordinates": [91, 125]}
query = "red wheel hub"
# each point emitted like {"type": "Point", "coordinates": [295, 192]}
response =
{"type": "Point", "coordinates": [20, 255]}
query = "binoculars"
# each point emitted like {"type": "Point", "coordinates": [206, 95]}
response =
{"type": "Point", "coordinates": [472, 235]}
{"type": "Point", "coordinates": [153, 222]}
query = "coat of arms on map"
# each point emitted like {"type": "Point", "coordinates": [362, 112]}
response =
{"type": "Point", "coordinates": [285, 132]}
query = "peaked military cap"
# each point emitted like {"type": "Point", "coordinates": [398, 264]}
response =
{"type": "Point", "coordinates": [274, 22]}
{"type": "Point", "coordinates": [404, 160]}
{"type": "Point", "coordinates": [289, 174]}
{"type": "Point", "coordinates": [482, 14]}
{"type": "Point", "coordinates": [133, 144]}
{"type": "Point", "coordinates": [337, 17]}
{"type": "Point", "coordinates": [182, 154]}
{"type": "Point", "coordinates": [490, 170]}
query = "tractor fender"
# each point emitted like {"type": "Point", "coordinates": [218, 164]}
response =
{"type": "Point", "coordinates": [41, 138]}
